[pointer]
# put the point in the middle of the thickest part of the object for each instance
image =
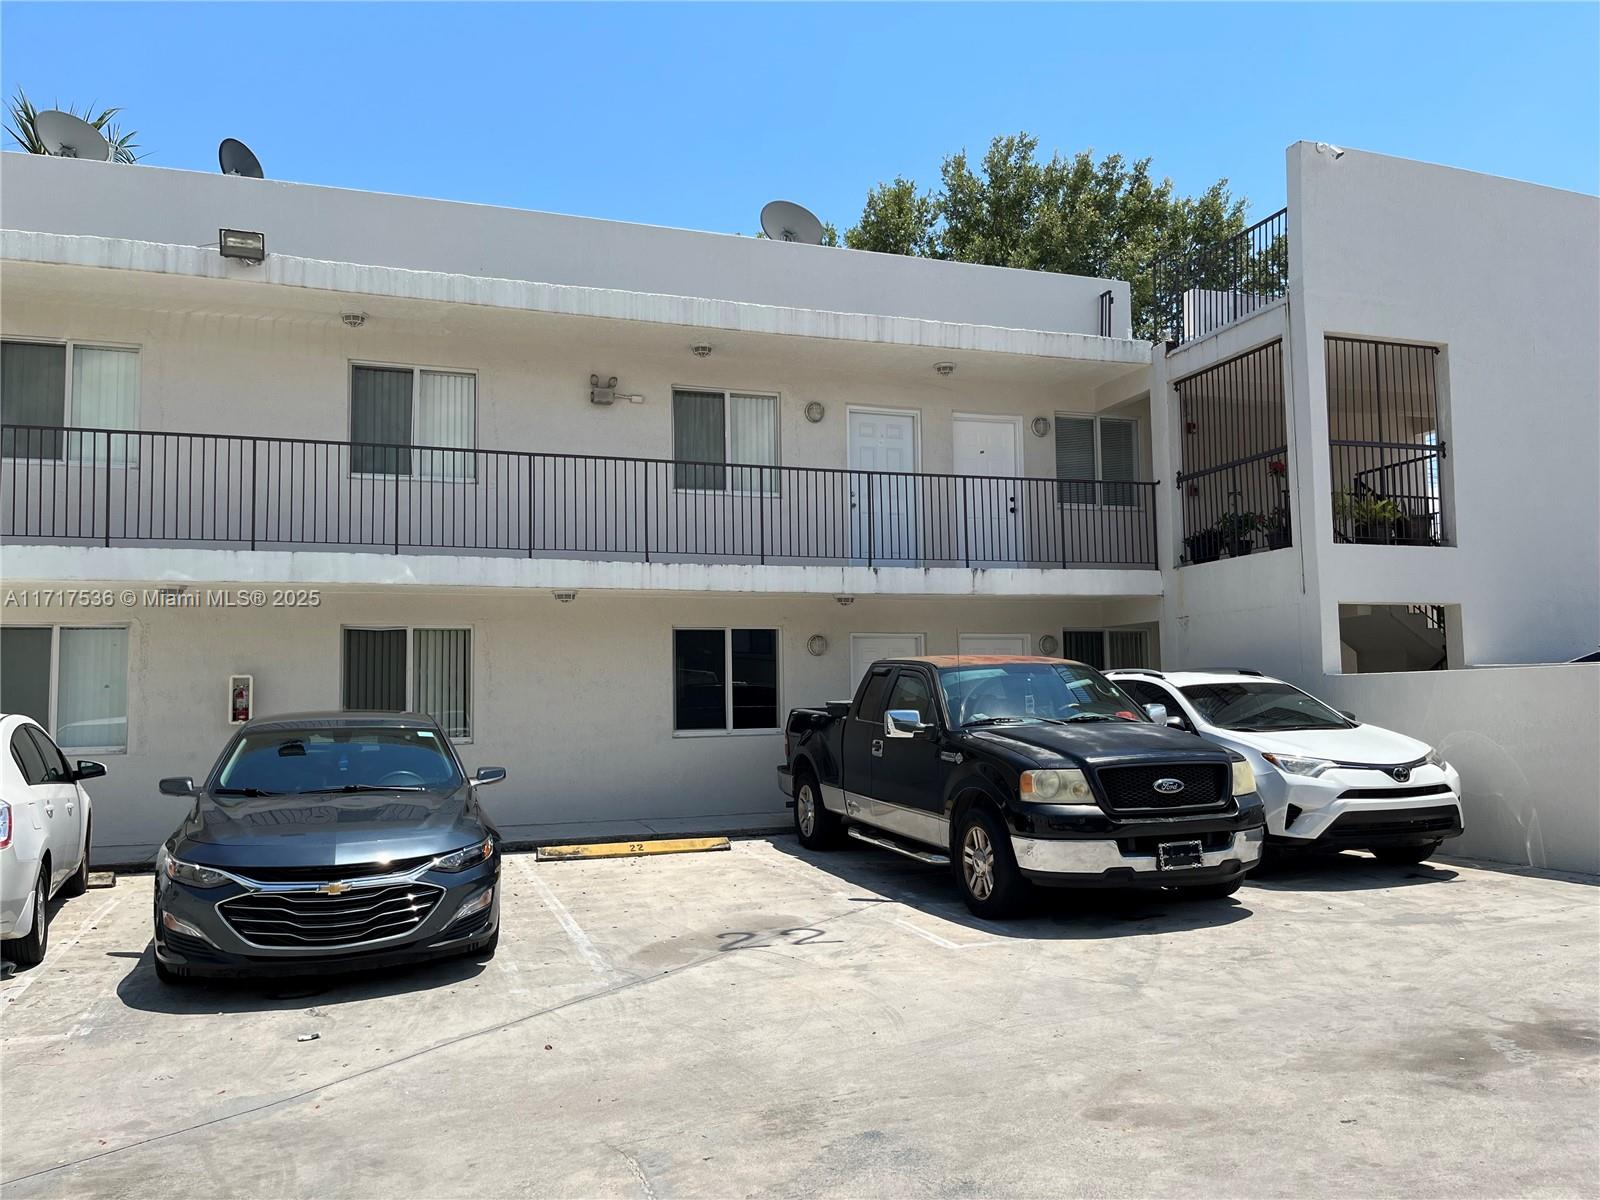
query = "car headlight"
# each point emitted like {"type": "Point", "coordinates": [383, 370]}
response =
{"type": "Point", "coordinates": [467, 856]}
{"type": "Point", "coordinates": [1244, 777]}
{"type": "Point", "coordinates": [1295, 765]}
{"type": "Point", "coordinates": [1434, 759]}
{"type": "Point", "coordinates": [192, 874]}
{"type": "Point", "coordinates": [1067, 786]}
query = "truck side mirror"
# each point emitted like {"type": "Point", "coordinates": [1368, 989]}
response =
{"type": "Point", "coordinates": [902, 723]}
{"type": "Point", "coordinates": [177, 785]}
{"type": "Point", "coordinates": [1156, 712]}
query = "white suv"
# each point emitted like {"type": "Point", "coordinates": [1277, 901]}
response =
{"type": "Point", "coordinates": [1326, 780]}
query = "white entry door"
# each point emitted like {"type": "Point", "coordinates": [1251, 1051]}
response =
{"type": "Point", "coordinates": [991, 447]}
{"type": "Point", "coordinates": [868, 648]}
{"type": "Point", "coordinates": [992, 643]}
{"type": "Point", "coordinates": [883, 516]}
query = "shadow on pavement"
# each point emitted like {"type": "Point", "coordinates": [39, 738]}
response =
{"type": "Point", "coordinates": [1324, 871]}
{"type": "Point", "coordinates": [140, 989]}
{"type": "Point", "coordinates": [1055, 914]}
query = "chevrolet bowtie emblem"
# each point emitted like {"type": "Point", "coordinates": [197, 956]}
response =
{"type": "Point", "coordinates": [333, 889]}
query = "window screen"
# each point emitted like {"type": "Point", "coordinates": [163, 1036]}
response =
{"type": "Point", "coordinates": [33, 391]}
{"type": "Point", "coordinates": [699, 663]}
{"type": "Point", "coordinates": [25, 672]}
{"type": "Point", "coordinates": [1085, 646]}
{"type": "Point", "coordinates": [442, 669]}
{"type": "Point", "coordinates": [375, 670]}
{"type": "Point", "coordinates": [380, 420]}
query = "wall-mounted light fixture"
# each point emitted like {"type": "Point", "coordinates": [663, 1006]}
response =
{"type": "Point", "coordinates": [815, 412]}
{"type": "Point", "coordinates": [246, 247]}
{"type": "Point", "coordinates": [816, 645]}
{"type": "Point", "coordinates": [844, 601]}
{"type": "Point", "coordinates": [1041, 427]}
{"type": "Point", "coordinates": [565, 597]}
{"type": "Point", "coordinates": [945, 368]}
{"type": "Point", "coordinates": [700, 350]}
{"type": "Point", "coordinates": [602, 393]}
{"type": "Point", "coordinates": [1048, 645]}
{"type": "Point", "coordinates": [353, 319]}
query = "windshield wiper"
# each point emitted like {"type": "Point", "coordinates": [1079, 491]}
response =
{"type": "Point", "coordinates": [227, 791]}
{"type": "Point", "coordinates": [983, 721]}
{"type": "Point", "coordinates": [362, 787]}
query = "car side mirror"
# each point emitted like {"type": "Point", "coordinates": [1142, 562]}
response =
{"type": "Point", "coordinates": [1178, 723]}
{"type": "Point", "coordinates": [177, 785]}
{"type": "Point", "coordinates": [88, 770]}
{"type": "Point", "coordinates": [488, 775]}
{"type": "Point", "coordinates": [902, 723]}
{"type": "Point", "coordinates": [1157, 713]}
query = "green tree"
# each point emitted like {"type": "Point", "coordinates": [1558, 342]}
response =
{"type": "Point", "coordinates": [24, 129]}
{"type": "Point", "coordinates": [1106, 218]}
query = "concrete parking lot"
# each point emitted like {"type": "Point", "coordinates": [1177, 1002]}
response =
{"type": "Point", "coordinates": [772, 1022]}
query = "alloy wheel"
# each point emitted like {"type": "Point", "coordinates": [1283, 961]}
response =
{"type": "Point", "coordinates": [977, 862]}
{"type": "Point", "coordinates": [806, 809]}
{"type": "Point", "coordinates": [41, 900]}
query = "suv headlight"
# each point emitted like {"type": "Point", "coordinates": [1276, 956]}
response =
{"type": "Point", "coordinates": [1434, 759]}
{"type": "Point", "coordinates": [190, 873]}
{"type": "Point", "coordinates": [1244, 777]}
{"type": "Point", "coordinates": [1066, 786]}
{"type": "Point", "coordinates": [467, 856]}
{"type": "Point", "coordinates": [1294, 765]}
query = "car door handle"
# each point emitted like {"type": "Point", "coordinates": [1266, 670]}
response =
{"type": "Point", "coordinates": [877, 747]}
{"type": "Point", "coordinates": [49, 810]}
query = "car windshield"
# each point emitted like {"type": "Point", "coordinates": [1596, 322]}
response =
{"type": "Point", "coordinates": [1024, 692]}
{"type": "Point", "coordinates": [336, 760]}
{"type": "Point", "coordinates": [1261, 706]}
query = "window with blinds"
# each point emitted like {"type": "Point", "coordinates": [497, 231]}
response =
{"type": "Point", "coordinates": [1097, 460]}
{"type": "Point", "coordinates": [402, 670]}
{"type": "Point", "coordinates": [397, 413]}
{"type": "Point", "coordinates": [723, 441]}
{"type": "Point", "coordinates": [1107, 649]}
{"type": "Point", "coordinates": [89, 669]}
{"type": "Point", "coordinates": [48, 386]}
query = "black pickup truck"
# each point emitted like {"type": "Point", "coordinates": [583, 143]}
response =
{"type": "Point", "coordinates": [1021, 770]}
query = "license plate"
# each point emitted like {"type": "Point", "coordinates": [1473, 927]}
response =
{"type": "Point", "coordinates": [1176, 855]}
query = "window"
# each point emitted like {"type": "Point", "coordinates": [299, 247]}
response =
{"type": "Point", "coordinates": [1097, 448]}
{"type": "Point", "coordinates": [400, 670]}
{"type": "Point", "coordinates": [1107, 650]}
{"type": "Point", "coordinates": [73, 681]}
{"type": "Point", "coordinates": [712, 429]}
{"type": "Point", "coordinates": [911, 691]}
{"type": "Point", "coordinates": [101, 391]}
{"type": "Point", "coordinates": [1151, 693]}
{"type": "Point", "coordinates": [724, 680]}
{"type": "Point", "coordinates": [28, 759]}
{"type": "Point", "coordinates": [55, 766]}
{"type": "Point", "coordinates": [871, 706]}
{"type": "Point", "coordinates": [393, 409]}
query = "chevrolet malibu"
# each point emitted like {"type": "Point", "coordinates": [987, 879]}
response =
{"type": "Point", "coordinates": [325, 842]}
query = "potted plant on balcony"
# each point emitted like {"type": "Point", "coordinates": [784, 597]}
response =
{"type": "Point", "coordinates": [1237, 532]}
{"type": "Point", "coordinates": [1203, 546]}
{"type": "Point", "coordinates": [1276, 525]}
{"type": "Point", "coordinates": [1366, 518]}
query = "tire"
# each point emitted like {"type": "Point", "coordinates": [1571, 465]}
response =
{"type": "Point", "coordinates": [1404, 855]}
{"type": "Point", "coordinates": [1211, 891]}
{"type": "Point", "coordinates": [29, 951]}
{"type": "Point", "coordinates": [985, 866]}
{"type": "Point", "coordinates": [79, 883]}
{"type": "Point", "coordinates": [814, 825]}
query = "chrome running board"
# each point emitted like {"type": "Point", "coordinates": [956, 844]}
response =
{"type": "Point", "coordinates": [883, 842]}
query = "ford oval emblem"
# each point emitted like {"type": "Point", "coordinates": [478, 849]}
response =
{"type": "Point", "coordinates": [1169, 786]}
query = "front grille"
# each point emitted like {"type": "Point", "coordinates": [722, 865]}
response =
{"type": "Point", "coordinates": [309, 919]}
{"type": "Point", "coordinates": [192, 948]}
{"type": "Point", "coordinates": [1210, 843]}
{"type": "Point", "coordinates": [1396, 793]}
{"type": "Point", "coordinates": [322, 874]}
{"type": "Point", "coordinates": [1132, 789]}
{"type": "Point", "coordinates": [1400, 821]}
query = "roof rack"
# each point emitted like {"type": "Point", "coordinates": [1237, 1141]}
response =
{"type": "Point", "coordinates": [1225, 671]}
{"type": "Point", "coordinates": [1139, 671]}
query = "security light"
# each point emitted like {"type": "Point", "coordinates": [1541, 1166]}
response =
{"type": "Point", "coordinates": [240, 244]}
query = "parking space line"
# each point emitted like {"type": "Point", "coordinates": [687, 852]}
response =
{"type": "Point", "coordinates": [575, 934]}
{"type": "Point", "coordinates": [53, 956]}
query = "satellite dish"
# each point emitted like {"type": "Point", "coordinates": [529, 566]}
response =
{"type": "Point", "coordinates": [785, 222]}
{"type": "Point", "coordinates": [238, 159]}
{"type": "Point", "coordinates": [67, 136]}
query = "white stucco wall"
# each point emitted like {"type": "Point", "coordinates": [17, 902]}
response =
{"type": "Point", "coordinates": [186, 208]}
{"type": "Point", "coordinates": [574, 699]}
{"type": "Point", "coordinates": [1524, 741]}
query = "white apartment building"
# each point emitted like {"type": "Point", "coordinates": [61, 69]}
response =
{"type": "Point", "coordinates": [386, 466]}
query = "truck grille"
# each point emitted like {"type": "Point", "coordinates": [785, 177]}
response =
{"type": "Point", "coordinates": [309, 919]}
{"type": "Point", "coordinates": [1132, 789]}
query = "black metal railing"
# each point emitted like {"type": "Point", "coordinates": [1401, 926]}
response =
{"type": "Point", "coordinates": [120, 487]}
{"type": "Point", "coordinates": [1200, 291]}
{"type": "Point", "coordinates": [1107, 299]}
{"type": "Point", "coordinates": [1384, 442]}
{"type": "Point", "coordinates": [1234, 485]}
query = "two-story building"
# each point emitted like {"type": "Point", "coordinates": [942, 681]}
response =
{"type": "Point", "coordinates": [607, 499]}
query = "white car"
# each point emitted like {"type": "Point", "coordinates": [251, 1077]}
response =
{"type": "Point", "coordinates": [1325, 779]}
{"type": "Point", "coordinates": [44, 834]}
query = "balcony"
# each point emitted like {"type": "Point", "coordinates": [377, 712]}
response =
{"type": "Point", "coordinates": [102, 487]}
{"type": "Point", "coordinates": [1200, 292]}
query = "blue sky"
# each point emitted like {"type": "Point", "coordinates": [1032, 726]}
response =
{"type": "Point", "coordinates": [695, 116]}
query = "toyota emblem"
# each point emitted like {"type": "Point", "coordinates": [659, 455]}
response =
{"type": "Point", "coordinates": [1169, 786]}
{"type": "Point", "coordinates": [1401, 774]}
